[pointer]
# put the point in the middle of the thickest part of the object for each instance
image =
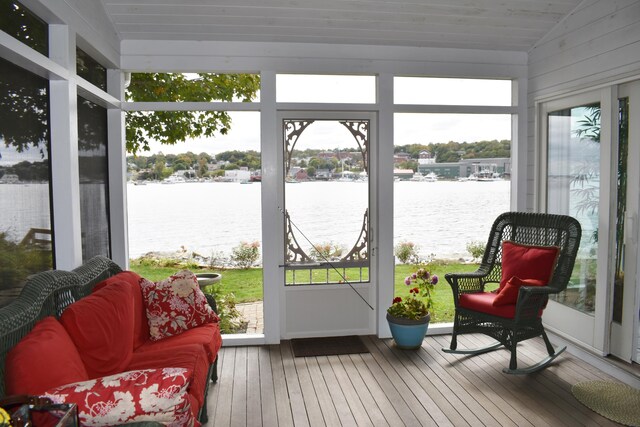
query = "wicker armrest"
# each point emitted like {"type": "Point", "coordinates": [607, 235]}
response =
{"type": "Point", "coordinates": [465, 282]}
{"type": "Point", "coordinates": [532, 300]}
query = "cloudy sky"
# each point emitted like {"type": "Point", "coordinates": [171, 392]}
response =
{"type": "Point", "coordinates": [408, 128]}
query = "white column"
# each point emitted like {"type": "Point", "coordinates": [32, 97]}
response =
{"type": "Point", "coordinates": [117, 154]}
{"type": "Point", "coordinates": [64, 152]}
{"type": "Point", "coordinates": [383, 235]}
{"type": "Point", "coordinates": [519, 147]}
{"type": "Point", "coordinates": [272, 222]}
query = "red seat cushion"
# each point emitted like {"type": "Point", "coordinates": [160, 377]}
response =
{"type": "Point", "coordinates": [207, 335]}
{"type": "Point", "coordinates": [189, 356]}
{"type": "Point", "coordinates": [527, 262]}
{"type": "Point", "coordinates": [509, 293]}
{"type": "Point", "coordinates": [101, 327]}
{"type": "Point", "coordinates": [140, 322]}
{"type": "Point", "coordinates": [483, 302]}
{"type": "Point", "coordinates": [44, 358]}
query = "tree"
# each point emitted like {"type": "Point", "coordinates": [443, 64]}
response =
{"type": "Point", "coordinates": [159, 166]}
{"type": "Point", "coordinates": [171, 127]}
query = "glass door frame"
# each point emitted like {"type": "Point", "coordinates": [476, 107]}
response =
{"type": "Point", "coordinates": [624, 336]}
{"type": "Point", "coordinates": [590, 330]}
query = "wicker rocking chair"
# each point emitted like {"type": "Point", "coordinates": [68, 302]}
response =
{"type": "Point", "coordinates": [511, 324]}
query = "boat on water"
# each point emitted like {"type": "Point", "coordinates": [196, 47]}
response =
{"type": "Point", "coordinates": [488, 175]}
{"type": "Point", "coordinates": [431, 177]}
{"type": "Point", "coordinates": [418, 177]}
{"type": "Point", "coordinates": [173, 179]}
{"type": "Point", "coordinates": [483, 173]}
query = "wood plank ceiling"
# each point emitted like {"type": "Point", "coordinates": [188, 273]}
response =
{"type": "Point", "coordinates": [473, 24]}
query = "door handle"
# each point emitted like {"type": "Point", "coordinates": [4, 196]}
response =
{"type": "Point", "coordinates": [632, 226]}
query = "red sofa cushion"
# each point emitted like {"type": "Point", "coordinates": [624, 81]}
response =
{"type": "Point", "coordinates": [189, 356]}
{"type": "Point", "coordinates": [175, 305]}
{"type": "Point", "coordinates": [527, 262]}
{"type": "Point", "coordinates": [483, 302]}
{"type": "Point", "coordinates": [45, 358]}
{"type": "Point", "coordinates": [101, 327]}
{"type": "Point", "coordinates": [141, 324]}
{"type": "Point", "coordinates": [158, 395]}
{"type": "Point", "coordinates": [207, 335]}
{"type": "Point", "coordinates": [509, 293]}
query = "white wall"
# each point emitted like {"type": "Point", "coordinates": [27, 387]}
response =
{"type": "Point", "coordinates": [598, 43]}
{"type": "Point", "coordinates": [593, 49]}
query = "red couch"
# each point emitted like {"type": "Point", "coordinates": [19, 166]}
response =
{"type": "Point", "coordinates": [106, 332]}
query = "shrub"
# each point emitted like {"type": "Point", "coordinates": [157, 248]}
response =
{"type": "Point", "coordinates": [231, 321]}
{"type": "Point", "coordinates": [326, 251]}
{"type": "Point", "coordinates": [407, 252]}
{"type": "Point", "coordinates": [476, 249]}
{"type": "Point", "coordinates": [217, 260]}
{"type": "Point", "coordinates": [245, 254]}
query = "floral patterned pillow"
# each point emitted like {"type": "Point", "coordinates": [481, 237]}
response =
{"type": "Point", "coordinates": [158, 395]}
{"type": "Point", "coordinates": [175, 305]}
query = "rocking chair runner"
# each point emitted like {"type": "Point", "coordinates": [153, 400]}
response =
{"type": "Point", "coordinates": [513, 323]}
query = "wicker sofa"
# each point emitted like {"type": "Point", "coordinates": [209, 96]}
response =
{"type": "Point", "coordinates": [50, 293]}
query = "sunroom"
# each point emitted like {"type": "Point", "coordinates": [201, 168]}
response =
{"type": "Point", "coordinates": [535, 72]}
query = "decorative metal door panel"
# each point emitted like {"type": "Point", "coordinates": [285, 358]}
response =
{"type": "Point", "coordinates": [326, 213]}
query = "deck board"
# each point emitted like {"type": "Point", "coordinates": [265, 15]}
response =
{"type": "Point", "coordinates": [268, 386]}
{"type": "Point", "coordinates": [269, 412]}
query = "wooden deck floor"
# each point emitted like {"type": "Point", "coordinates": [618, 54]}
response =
{"type": "Point", "coordinates": [267, 386]}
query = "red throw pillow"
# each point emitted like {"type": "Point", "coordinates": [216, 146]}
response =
{"type": "Point", "coordinates": [44, 358]}
{"type": "Point", "coordinates": [101, 327]}
{"type": "Point", "coordinates": [527, 262]}
{"type": "Point", "coordinates": [140, 323]}
{"type": "Point", "coordinates": [175, 305]}
{"type": "Point", "coordinates": [509, 294]}
{"type": "Point", "coordinates": [158, 395]}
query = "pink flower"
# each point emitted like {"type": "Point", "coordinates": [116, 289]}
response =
{"type": "Point", "coordinates": [414, 276]}
{"type": "Point", "coordinates": [407, 280]}
{"type": "Point", "coordinates": [434, 279]}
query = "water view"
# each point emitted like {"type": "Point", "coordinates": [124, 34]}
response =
{"type": "Point", "coordinates": [440, 217]}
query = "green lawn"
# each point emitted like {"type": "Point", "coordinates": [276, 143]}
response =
{"type": "Point", "coordinates": [246, 285]}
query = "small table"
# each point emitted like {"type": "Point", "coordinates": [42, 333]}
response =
{"type": "Point", "coordinates": [58, 415]}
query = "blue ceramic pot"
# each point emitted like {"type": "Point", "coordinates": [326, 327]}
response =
{"type": "Point", "coordinates": [408, 334]}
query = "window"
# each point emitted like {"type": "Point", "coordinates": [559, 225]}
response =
{"type": "Point", "coordinates": [26, 244]}
{"type": "Point", "coordinates": [449, 91]}
{"type": "Point", "coordinates": [325, 88]}
{"type": "Point", "coordinates": [573, 180]}
{"type": "Point", "coordinates": [451, 181]}
{"type": "Point", "coordinates": [90, 70]}
{"type": "Point", "coordinates": [94, 179]}
{"type": "Point", "coordinates": [19, 22]}
{"type": "Point", "coordinates": [326, 176]}
{"type": "Point", "coordinates": [193, 87]}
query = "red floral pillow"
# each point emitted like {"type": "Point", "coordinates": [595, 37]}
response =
{"type": "Point", "coordinates": [158, 395]}
{"type": "Point", "coordinates": [175, 305]}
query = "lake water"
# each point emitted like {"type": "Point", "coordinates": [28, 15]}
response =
{"type": "Point", "coordinates": [440, 217]}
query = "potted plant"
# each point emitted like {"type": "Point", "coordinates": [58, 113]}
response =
{"type": "Point", "coordinates": [409, 318]}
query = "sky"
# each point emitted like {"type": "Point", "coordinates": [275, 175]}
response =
{"type": "Point", "coordinates": [408, 128]}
